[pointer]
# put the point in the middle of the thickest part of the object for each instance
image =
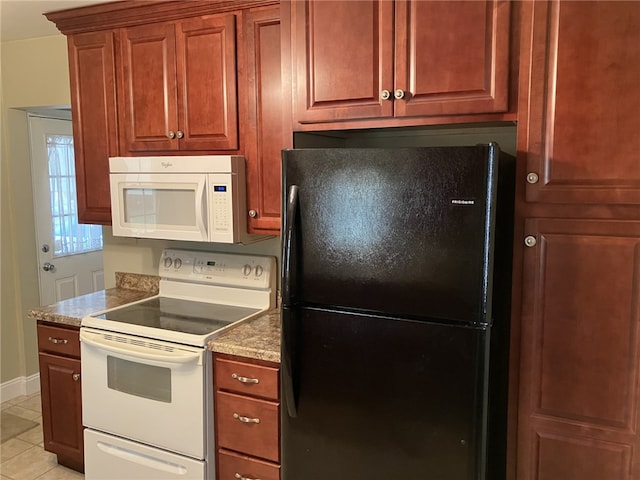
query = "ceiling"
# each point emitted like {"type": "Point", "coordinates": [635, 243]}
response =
{"type": "Point", "coordinates": [22, 19]}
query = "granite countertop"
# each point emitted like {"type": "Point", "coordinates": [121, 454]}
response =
{"type": "Point", "coordinates": [129, 288]}
{"type": "Point", "coordinates": [258, 338]}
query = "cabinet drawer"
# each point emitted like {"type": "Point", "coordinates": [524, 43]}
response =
{"type": "Point", "coordinates": [248, 425]}
{"type": "Point", "coordinates": [246, 378]}
{"type": "Point", "coordinates": [63, 341]}
{"type": "Point", "coordinates": [232, 464]}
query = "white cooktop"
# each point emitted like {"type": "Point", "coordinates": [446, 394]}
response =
{"type": "Point", "coordinates": [202, 294]}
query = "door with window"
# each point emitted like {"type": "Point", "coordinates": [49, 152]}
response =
{"type": "Point", "coordinates": [69, 254]}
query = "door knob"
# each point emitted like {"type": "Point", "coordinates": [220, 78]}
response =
{"type": "Point", "coordinates": [48, 267]}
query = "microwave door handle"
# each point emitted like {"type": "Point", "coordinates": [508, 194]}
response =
{"type": "Point", "coordinates": [201, 210]}
{"type": "Point", "coordinates": [137, 352]}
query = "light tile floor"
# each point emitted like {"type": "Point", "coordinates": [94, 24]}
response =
{"type": "Point", "coordinates": [22, 457]}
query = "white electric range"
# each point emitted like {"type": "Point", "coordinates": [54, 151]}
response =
{"type": "Point", "coordinates": [147, 388]}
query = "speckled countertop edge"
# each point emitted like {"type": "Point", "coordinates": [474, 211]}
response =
{"type": "Point", "coordinates": [258, 338]}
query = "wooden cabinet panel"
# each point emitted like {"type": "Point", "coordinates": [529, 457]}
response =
{"type": "Point", "coordinates": [452, 59]}
{"type": "Point", "coordinates": [247, 378]}
{"type": "Point", "coordinates": [62, 408]}
{"type": "Point", "coordinates": [343, 59]}
{"type": "Point", "coordinates": [265, 134]}
{"type": "Point", "coordinates": [439, 58]}
{"type": "Point", "coordinates": [248, 425]}
{"type": "Point", "coordinates": [92, 71]}
{"type": "Point", "coordinates": [149, 107]}
{"type": "Point", "coordinates": [207, 104]}
{"type": "Point", "coordinates": [230, 465]}
{"type": "Point", "coordinates": [583, 110]}
{"type": "Point", "coordinates": [579, 392]}
{"type": "Point", "coordinates": [61, 341]}
{"type": "Point", "coordinates": [571, 458]}
{"type": "Point", "coordinates": [179, 86]}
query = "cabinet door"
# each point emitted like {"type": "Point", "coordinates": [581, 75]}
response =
{"type": "Point", "coordinates": [92, 72]}
{"type": "Point", "coordinates": [583, 108]}
{"type": "Point", "coordinates": [580, 348]}
{"type": "Point", "coordinates": [451, 57]}
{"type": "Point", "coordinates": [62, 408]}
{"type": "Point", "coordinates": [265, 127]}
{"type": "Point", "coordinates": [207, 97]}
{"type": "Point", "coordinates": [343, 59]}
{"type": "Point", "coordinates": [149, 105]}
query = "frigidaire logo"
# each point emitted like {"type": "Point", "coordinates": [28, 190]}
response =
{"type": "Point", "coordinates": [457, 201]}
{"type": "Point", "coordinates": [166, 164]}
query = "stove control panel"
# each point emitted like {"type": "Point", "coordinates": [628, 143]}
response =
{"type": "Point", "coordinates": [227, 269]}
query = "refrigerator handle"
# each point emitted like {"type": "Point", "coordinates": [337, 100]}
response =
{"type": "Point", "coordinates": [288, 377]}
{"type": "Point", "coordinates": [290, 213]}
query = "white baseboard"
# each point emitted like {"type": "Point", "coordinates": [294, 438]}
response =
{"type": "Point", "coordinates": [20, 386]}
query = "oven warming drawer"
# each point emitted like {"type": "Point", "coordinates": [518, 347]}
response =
{"type": "Point", "coordinates": [108, 457]}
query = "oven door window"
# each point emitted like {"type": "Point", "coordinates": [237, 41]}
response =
{"type": "Point", "coordinates": [139, 379]}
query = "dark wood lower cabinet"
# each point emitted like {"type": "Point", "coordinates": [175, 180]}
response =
{"type": "Point", "coordinates": [61, 393]}
{"type": "Point", "coordinates": [580, 351]}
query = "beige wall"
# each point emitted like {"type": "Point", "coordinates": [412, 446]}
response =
{"type": "Point", "coordinates": [34, 74]}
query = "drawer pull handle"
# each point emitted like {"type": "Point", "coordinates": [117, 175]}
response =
{"type": "Point", "coordinates": [240, 477]}
{"type": "Point", "coordinates": [58, 340]}
{"type": "Point", "coordinates": [244, 379]}
{"type": "Point", "coordinates": [244, 419]}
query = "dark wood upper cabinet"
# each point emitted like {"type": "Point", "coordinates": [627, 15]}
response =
{"type": "Point", "coordinates": [439, 58]}
{"type": "Point", "coordinates": [92, 71]}
{"type": "Point", "coordinates": [179, 86]}
{"type": "Point", "coordinates": [583, 116]}
{"type": "Point", "coordinates": [265, 133]}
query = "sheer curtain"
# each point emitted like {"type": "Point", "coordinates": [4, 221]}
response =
{"type": "Point", "coordinates": [69, 236]}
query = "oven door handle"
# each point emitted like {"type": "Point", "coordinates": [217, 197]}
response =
{"type": "Point", "coordinates": [136, 351]}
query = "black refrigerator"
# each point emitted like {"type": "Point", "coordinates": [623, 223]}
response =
{"type": "Point", "coordinates": [396, 280]}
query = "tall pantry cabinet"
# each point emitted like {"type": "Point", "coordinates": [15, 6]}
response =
{"type": "Point", "coordinates": [579, 167]}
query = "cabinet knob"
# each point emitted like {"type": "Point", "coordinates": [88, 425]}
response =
{"type": "Point", "coordinates": [244, 419]}
{"type": "Point", "coordinates": [398, 94]}
{"type": "Point", "coordinates": [253, 213]}
{"type": "Point", "coordinates": [76, 377]}
{"type": "Point", "coordinates": [385, 94]}
{"type": "Point", "coordinates": [530, 241]}
{"type": "Point", "coordinates": [171, 134]}
{"type": "Point", "coordinates": [179, 134]}
{"type": "Point", "coordinates": [532, 177]}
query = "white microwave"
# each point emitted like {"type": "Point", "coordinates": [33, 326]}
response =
{"type": "Point", "coordinates": [193, 198]}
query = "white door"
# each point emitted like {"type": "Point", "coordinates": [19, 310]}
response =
{"type": "Point", "coordinates": [69, 254]}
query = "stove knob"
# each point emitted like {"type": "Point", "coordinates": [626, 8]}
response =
{"type": "Point", "coordinates": [246, 270]}
{"type": "Point", "coordinates": [177, 263]}
{"type": "Point", "coordinates": [167, 262]}
{"type": "Point", "coordinates": [259, 270]}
